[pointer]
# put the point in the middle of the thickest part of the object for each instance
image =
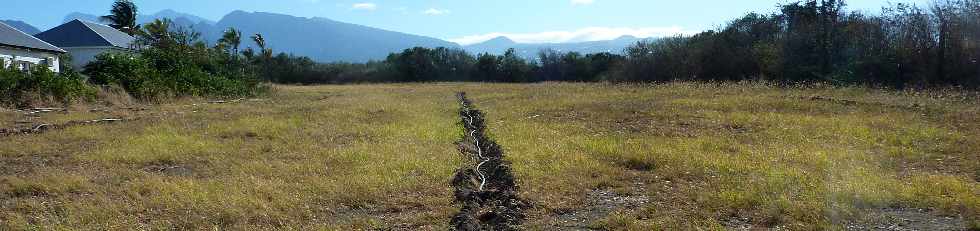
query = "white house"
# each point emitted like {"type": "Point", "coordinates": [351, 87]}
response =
{"type": "Point", "coordinates": [85, 40]}
{"type": "Point", "coordinates": [23, 50]}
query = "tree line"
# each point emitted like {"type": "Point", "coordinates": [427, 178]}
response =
{"type": "Point", "coordinates": [443, 64]}
{"type": "Point", "coordinates": [806, 41]}
{"type": "Point", "coordinates": [904, 46]}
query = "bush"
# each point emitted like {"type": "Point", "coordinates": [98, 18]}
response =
{"type": "Point", "coordinates": [174, 61]}
{"type": "Point", "coordinates": [131, 72]}
{"type": "Point", "coordinates": [41, 85]}
{"type": "Point", "coordinates": [139, 76]}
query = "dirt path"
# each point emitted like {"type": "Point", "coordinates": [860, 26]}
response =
{"type": "Point", "coordinates": [485, 188]}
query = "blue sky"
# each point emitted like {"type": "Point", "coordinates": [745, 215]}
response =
{"type": "Point", "coordinates": [463, 21]}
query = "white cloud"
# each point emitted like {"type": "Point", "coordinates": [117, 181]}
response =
{"type": "Point", "coordinates": [582, 2]}
{"type": "Point", "coordinates": [580, 35]}
{"type": "Point", "coordinates": [434, 11]}
{"type": "Point", "coordinates": [364, 6]}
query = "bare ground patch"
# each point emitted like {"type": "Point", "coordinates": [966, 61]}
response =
{"type": "Point", "coordinates": [902, 219]}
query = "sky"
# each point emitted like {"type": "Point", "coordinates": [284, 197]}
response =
{"type": "Point", "coordinates": [462, 21]}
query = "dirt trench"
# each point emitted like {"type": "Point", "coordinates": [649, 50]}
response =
{"type": "Point", "coordinates": [485, 186]}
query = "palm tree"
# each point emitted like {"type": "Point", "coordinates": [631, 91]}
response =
{"type": "Point", "coordinates": [232, 38]}
{"type": "Point", "coordinates": [248, 53]}
{"type": "Point", "coordinates": [260, 41]}
{"type": "Point", "coordinates": [123, 17]}
{"type": "Point", "coordinates": [156, 33]}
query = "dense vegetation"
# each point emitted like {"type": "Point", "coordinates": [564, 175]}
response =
{"type": "Point", "coordinates": [808, 41]}
{"type": "Point", "coordinates": [40, 84]}
{"type": "Point", "coordinates": [905, 46]}
{"type": "Point", "coordinates": [174, 61]}
{"type": "Point", "coordinates": [421, 64]}
{"type": "Point", "coordinates": [169, 61]}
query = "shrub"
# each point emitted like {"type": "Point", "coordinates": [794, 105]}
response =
{"type": "Point", "coordinates": [143, 78]}
{"type": "Point", "coordinates": [41, 85]}
{"type": "Point", "coordinates": [131, 72]}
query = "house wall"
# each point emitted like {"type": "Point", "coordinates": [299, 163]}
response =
{"type": "Point", "coordinates": [81, 56]}
{"type": "Point", "coordinates": [34, 57]}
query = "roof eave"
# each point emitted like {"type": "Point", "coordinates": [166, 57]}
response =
{"type": "Point", "coordinates": [31, 48]}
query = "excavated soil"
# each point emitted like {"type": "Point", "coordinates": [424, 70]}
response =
{"type": "Point", "coordinates": [484, 188]}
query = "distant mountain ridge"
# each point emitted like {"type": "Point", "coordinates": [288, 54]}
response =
{"type": "Point", "coordinates": [326, 40]}
{"type": "Point", "coordinates": [22, 26]}
{"type": "Point", "coordinates": [81, 16]}
{"type": "Point", "coordinates": [500, 45]}
{"type": "Point", "coordinates": [182, 19]}
{"type": "Point", "coordinates": [168, 13]}
{"type": "Point", "coordinates": [323, 39]}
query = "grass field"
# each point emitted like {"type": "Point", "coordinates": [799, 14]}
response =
{"type": "Point", "coordinates": [586, 156]}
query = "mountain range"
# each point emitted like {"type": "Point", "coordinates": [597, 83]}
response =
{"type": "Point", "coordinates": [326, 40]}
{"type": "Point", "coordinates": [322, 39]}
{"type": "Point", "coordinates": [178, 18]}
{"type": "Point", "coordinates": [500, 45]}
{"type": "Point", "coordinates": [22, 26]}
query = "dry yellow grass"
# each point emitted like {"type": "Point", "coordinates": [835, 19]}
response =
{"type": "Point", "coordinates": [669, 156]}
{"type": "Point", "coordinates": [717, 155]}
{"type": "Point", "coordinates": [306, 158]}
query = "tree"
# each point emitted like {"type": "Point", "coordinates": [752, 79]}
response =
{"type": "Point", "coordinates": [232, 39]}
{"type": "Point", "coordinates": [487, 67]}
{"type": "Point", "coordinates": [260, 42]}
{"type": "Point", "coordinates": [514, 68]}
{"type": "Point", "coordinates": [602, 63]}
{"type": "Point", "coordinates": [911, 33]}
{"type": "Point", "coordinates": [415, 64]}
{"type": "Point", "coordinates": [122, 16]}
{"type": "Point", "coordinates": [550, 61]}
{"type": "Point", "coordinates": [157, 34]}
{"type": "Point", "coordinates": [248, 53]}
